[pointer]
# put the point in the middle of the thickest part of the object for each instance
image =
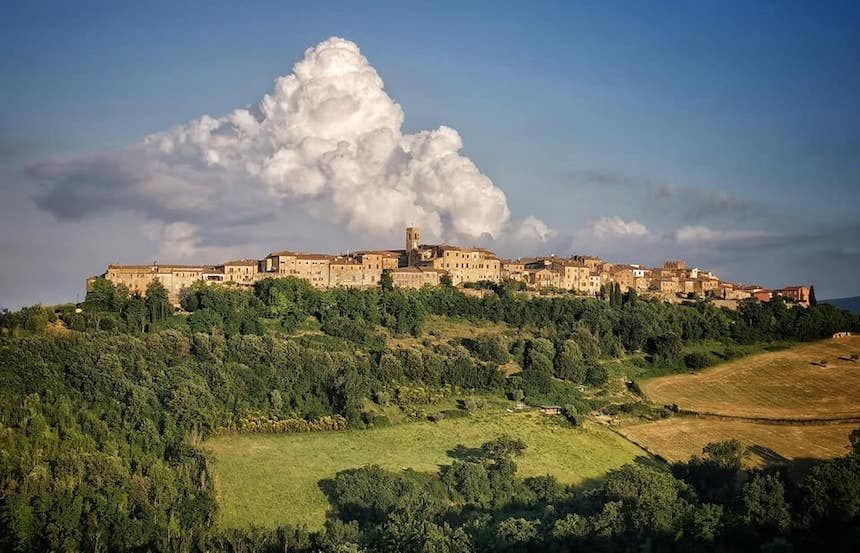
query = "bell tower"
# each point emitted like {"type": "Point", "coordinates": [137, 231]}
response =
{"type": "Point", "coordinates": [413, 238]}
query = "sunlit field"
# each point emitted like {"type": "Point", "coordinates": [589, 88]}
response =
{"type": "Point", "coordinates": [788, 384]}
{"type": "Point", "coordinates": [271, 479]}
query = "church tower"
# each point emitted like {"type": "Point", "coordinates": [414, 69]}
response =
{"type": "Point", "coordinates": [413, 238]}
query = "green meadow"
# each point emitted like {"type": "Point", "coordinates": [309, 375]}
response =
{"type": "Point", "coordinates": [272, 479]}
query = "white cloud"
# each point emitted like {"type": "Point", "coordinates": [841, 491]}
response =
{"type": "Point", "coordinates": [176, 240]}
{"type": "Point", "coordinates": [693, 234]}
{"type": "Point", "coordinates": [616, 227]}
{"type": "Point", "coordinates": [532, 229]}
{"type": "Point", "coordinates": [327, 137]}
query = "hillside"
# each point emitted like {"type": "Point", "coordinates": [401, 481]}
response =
{"type": "Point", "coordinates": [782, 406]}
{"type": "Point", "coordinates": [812, 381]}
{"type": "Point", "coordinates": [230, 424]}
{"type": "Point", "coordinates": [849, 304]}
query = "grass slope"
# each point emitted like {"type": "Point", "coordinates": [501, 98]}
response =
{"type": "Point", "coordinates": [271, 479]}
{"type": "Point", "coordinates": [774, 385]}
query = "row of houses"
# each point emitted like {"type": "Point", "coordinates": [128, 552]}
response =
{"type": "Point", "coordinates": [419, 265]}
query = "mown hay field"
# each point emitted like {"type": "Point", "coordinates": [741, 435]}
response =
{"type": "Point", "coordinates": [788, 384]}
{"type": "Point", "coordinates": [272, 479]}
{"type": "Point", "coordinates": [678, 438]}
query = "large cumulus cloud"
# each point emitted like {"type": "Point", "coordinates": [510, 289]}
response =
{"type": "Point", "coordinates": [327, 137]}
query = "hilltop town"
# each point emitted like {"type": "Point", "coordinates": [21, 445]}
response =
{"type": "Point", "coordinates": [419, 265]}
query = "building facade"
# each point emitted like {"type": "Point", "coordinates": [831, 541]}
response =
{"type": "Point", "coordinates": [420, 265]}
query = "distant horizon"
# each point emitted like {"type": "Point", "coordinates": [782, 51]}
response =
{"type": "Point", "coordinates": [724, 135]}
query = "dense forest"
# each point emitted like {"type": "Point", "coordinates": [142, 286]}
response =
{"type": "Point", "coordinates": [103, 406]}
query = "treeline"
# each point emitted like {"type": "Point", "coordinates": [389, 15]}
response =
{"type": "Point", "coordinates": [623, 323]}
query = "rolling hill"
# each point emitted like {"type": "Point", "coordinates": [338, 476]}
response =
{"type": "Point", "coordinates": [850, 304]}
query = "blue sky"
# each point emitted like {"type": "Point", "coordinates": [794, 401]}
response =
{"type": "Point", "coordinates": [742, 118]}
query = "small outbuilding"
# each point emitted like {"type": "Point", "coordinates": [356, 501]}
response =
{"type": "Point", "coordinates": [550, 409]}
{"type": "Point", "coordinates": [842, 335]}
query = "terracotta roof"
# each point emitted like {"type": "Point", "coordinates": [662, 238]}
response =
{"type": "Point", "coordinates": [157, 265]}
{"type": "Point", "coordinates": [313, 256]}
{"type": "Point", "coordinates": [243, 262]}
{"type": "Point", "coordinates": [301, 255]}
{"type": "Point", "coordinates": [346, 261]}
{"type": "Point", "coordinates": [384, 253]}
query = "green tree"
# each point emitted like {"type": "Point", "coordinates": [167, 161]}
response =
{"type": "Point", "coordinates": [135, 313]}
{"type": "Point", "coordinates": [569, 363]}
{"type": "Point", "coordinates": [100, 295]}
{"type": "Point", "coordinates": [765, 503]}
{"type": "Point", "coordinates": [649, 499]}
{"type": "Point", "coordinates": [516, 534]}
{"type": "Point", "coordinates": [503, 447]}
{"type": "Point", "coordinates": [386, 281]}
{"type": "Point", "coordinates": [812, 299]}
{"type": "Point", "coordinates": [666, 347]}
{"type": "Point", "coordinates": [158, 305]}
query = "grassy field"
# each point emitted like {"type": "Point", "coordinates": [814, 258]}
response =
{"type": "Point", "coordinates": [782, 385]}
{"type": "Point", "coordinates": [270, 479]}
{"type": "Point", "coordinates": [775, 385]}
{"type": "Point", "coordinates": [678, 438]}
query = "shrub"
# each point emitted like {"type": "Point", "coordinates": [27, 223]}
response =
{"type": "Point", "coordinates": [471, 404]}
{"type": "Point", "coordinates": [488, 347]}
{"type": "Point", "coordinates": [516, 395]}
{"type": "Point", "coordinates": [596, 375]}
{"type": "Point", "coordinates": [731, 353]}
{"type": "Point", "coordinates": [382, 397]}
{"type": "Point", "coordinates": [666, 346]}
{"type": "Point", "coordinates": [697, 360]}
{"type": "Point", "coordinates": [381, 421]}
{"type": "Point", "coordinates": [571, 413]}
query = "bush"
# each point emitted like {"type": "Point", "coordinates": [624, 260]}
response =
{"type": "Point", "coordinates": [435, 417]}
{"type": "Point", "coordinates": [666, 346]}
{"type": "Point", "coordinates": [597, 375]}
{"type": "Point", "coordinates": [382, 397]}
{"type": "Point", "coordinates": [571, 413]}
{"type": "Point", "coordinates": [516, 395]}
{"type": "Point", "coordinates": [488, 347]}
{"type": "Point", "coordinates": [471, 404]}
{"type": "Point", "coordinates": [381, 421]}
{"type": "Point", "coordinates": [697, 360]}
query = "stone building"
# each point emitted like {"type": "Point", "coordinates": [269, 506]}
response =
{"type": "Point", "coordinates": [415, 277]}
{"type": "Point", "coordinates": [514, 269]}
{"type": "Point", "coordinates": [138, 277]}
{"type": "Point", "coordinates": [313, 267]}
{"type": "Point", "coordinates": [675, 265]}
{"type": "Point", "coordinates": [242, 271]}
{"type": "Point", "coordinates": [420, 264]}
{"type": "Point", "coordinates": [462, 264]}
{"type": "Point", "coordinates": [665, 286]}
{"type": "Point", "coordinates": [797, 294]}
